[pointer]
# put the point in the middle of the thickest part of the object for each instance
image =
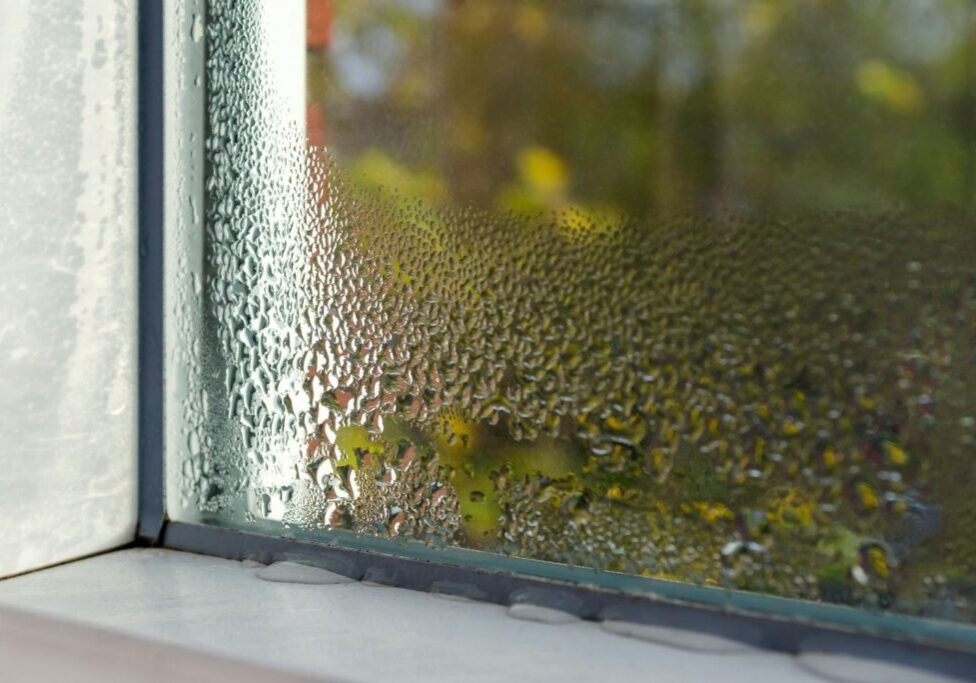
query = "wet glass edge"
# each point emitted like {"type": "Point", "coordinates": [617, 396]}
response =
{"type": "Point", "coordinates": [183, 179]}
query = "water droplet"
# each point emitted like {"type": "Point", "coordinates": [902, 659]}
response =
{"type": "Point", "coordinates": [292, 572]}
{"type": "Point", "coordinates": [196, 28]}
{"type": "Point", "coordinates": [695, 641]}
{"type": "Point", "coordinates": [543, 615]}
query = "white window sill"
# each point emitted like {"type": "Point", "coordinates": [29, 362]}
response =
{"type": "Point", "coordinates": [185, 611]}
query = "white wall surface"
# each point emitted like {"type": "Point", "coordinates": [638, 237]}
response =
{"type": "Point", "coordinates": [67, 279]}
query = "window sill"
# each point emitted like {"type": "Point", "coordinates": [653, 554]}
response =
{"type": "Point", "coordinates": [204, 606]}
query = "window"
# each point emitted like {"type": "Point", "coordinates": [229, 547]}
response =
{"type": "Point", "coordinates": [681, 292]}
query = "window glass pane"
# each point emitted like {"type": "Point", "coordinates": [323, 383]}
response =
{"type": "Point", "coordinates": [673, 289]}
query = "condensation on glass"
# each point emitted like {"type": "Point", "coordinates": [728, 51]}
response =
{"type": "Point", "coordinates": [682, 290]}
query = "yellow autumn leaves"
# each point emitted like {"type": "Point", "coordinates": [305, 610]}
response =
{"type": "Point", "coordinates": [893, 88]}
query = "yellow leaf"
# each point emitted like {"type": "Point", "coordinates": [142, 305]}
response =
{"type": "Point", "coordinates": [351, 440]}
{"type": "Point", "coordinates": [895, 454]}
{"type": "Point", "coordinates": [890, 86]}
{"type": "Point", "coordinates": [531, 23]}
{"type": "Point", "coordinates": [878, 562]}
{"type": "Point", "coordinates": [830, 458]}
{"type": "Point", "coordinates": [713, 512]}
{"type": "Point", "coordinates": [869, 499]}
{"type": "Point", "coordinates": [542, 170]}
